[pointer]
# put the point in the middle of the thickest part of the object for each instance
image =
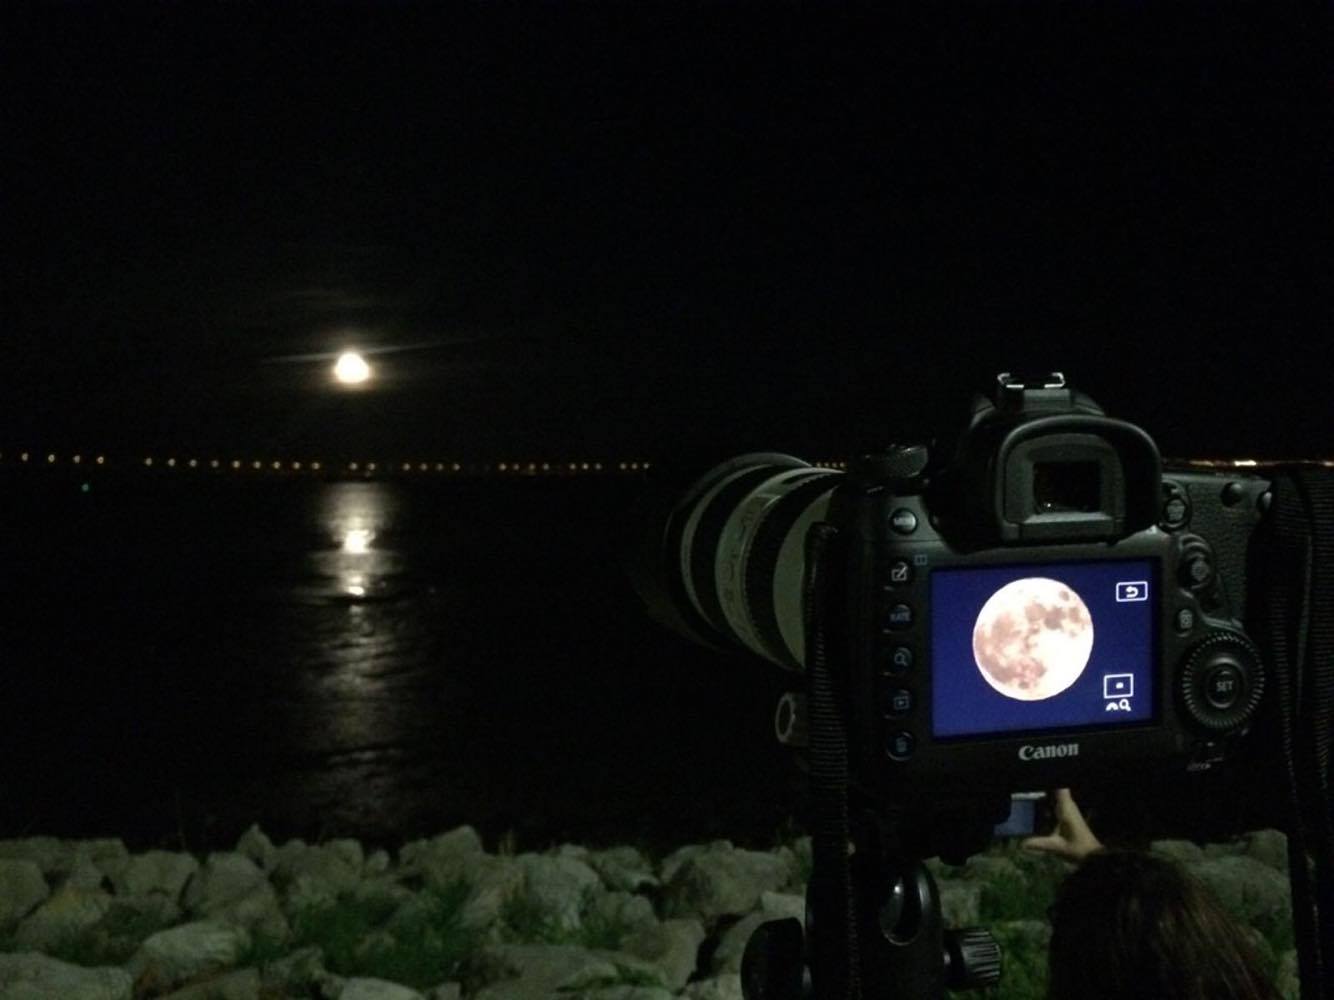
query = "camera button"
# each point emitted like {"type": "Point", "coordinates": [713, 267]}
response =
{"type": "Point", "coordinates": [900, 660]}
{"type": "Point", "coordinates": [900, 573]}
{"type": "Point", "coordinates": [898, 618]}
{"type": "Point", "coordinates": [1185, 620]}
{"type": "Point", "coordinates": [1223, 686]}
{"type": "Point", "coordinates": [1176, 507]}
{"type": "Point", "coordinates": [903, 521]}
{"type": "Point", "coordinates": [897, 703]}
{"type": "Point", "coordinates": [901, 745]}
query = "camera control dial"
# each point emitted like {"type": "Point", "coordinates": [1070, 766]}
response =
{"type": "Point", "coordinates": [1222, 682]}
{"type": "Point", "coordinates": [899, 465]}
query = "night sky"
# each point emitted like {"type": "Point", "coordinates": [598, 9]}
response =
{"type": "Point", "coordinates": [644, 232]}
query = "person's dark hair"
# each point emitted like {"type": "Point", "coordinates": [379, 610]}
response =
{"type": "Point", "coordinates": [1128, 924]}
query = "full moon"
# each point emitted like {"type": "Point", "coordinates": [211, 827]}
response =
{"type": "Point", "coordinates": [351, 368]}
{"type": "Point", "coordinates": [1032, 638]}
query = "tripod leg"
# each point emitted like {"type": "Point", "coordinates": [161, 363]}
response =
{"type": "Point", "coordinates": [773, 965]}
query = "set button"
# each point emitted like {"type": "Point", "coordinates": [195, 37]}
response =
{"type": "Point", "coordinates": [1223, 686]}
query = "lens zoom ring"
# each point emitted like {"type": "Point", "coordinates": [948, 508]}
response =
{"type": "Point", "coordinates": [763, 560]}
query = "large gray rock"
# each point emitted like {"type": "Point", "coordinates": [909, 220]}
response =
{"type": "Point", "coordinates": [725, 987]}
{"type": "Point", "coordinates": [536, 971]}
{"type": "Point", "coordinates": [68, 912]}
{"type": "Point", "coordinates": [802, 851]}
{"type": "Point", "coordinates": [32, 976]}
{"type": "Point", "coordinates": [621, 992]}
{"type": "Point", "coordinates": [258, 912]}
{"type": "Point", "coordinates": [128, 922]}
{"type": "Point", "coordinates": [22, 888]}
{"type": "Point", "coordinates": [243, 984]}
{"type": "Point", "coordinates": [376, 989]}
{"type": "Point", "coordinates": [86, 874]}
{"type": "Point", "coordinates": [224, 878]}
{"type": "Point", "coordinates": [721, 881]}
{"type": "Point", "coordinates": [558, 887]}
{"type": "Point", "coordinates": [493, 882]}
{"type": "Point", "coordinates": [623, 868]}
{"type": "Point", "coordinates": [672, 946]}
{"type": "Point", "coordinates": [625, 911]}
{"type": "Point", "coordinates": [673, 862]}
{"type": "Point", "coordinates": [169, 958]}
{"type": "Point", "coordinates": [1288, 980]}
{"type": "Point", "coordinates": [54, 857]}
{"type": "Point", "coordinates": [1225, 848]}
{"type": "Point", "coordinates": [256, 846]}
{"type": "Point", "coordinates": [163, 872]}
{"type": "Point", "coordinates": [1184, 851]}
{"type": "Point", "coordinates": [442, 860]}
{"type": "Point", "coordinates": [90, 861]}
{"type": "Point", "coordinates": [339, 862]}
{"type": "Point", "coordinates": [1253, 892]}
{"type": "Point", "coordinates": [1270, 848]}
{"type": "Point", "coordinates": [229, 887]}
{"type": "Point", "coordinates": [312, 876]}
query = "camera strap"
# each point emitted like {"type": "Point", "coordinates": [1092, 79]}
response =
{"type": "Point", "coordinates": [835, 955]}
{"type": "Point", "coordinates": [1296, 573]}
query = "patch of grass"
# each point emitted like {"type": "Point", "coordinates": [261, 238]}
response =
{"type": "Point", "coordinates": [1023, 969]}
{"type": "Point", "coordinates": [625, 976]}
{"type": "Point", "coordinates": [1026, 895]}
{"type": "Point", "coordinates": [263, 949]}
{"type": "Point", "coordinates": [419, 950]}
{"type": "Point", "coordinates": [523, 920]}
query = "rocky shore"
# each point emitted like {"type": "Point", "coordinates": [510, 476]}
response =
{"type": "Point", "coordinates": [446, 919]}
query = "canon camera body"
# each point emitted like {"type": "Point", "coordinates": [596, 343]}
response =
{"type": "Point", "coordinates": [1046, 601]}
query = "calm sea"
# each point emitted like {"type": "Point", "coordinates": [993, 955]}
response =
{"type": "Point", "coordinates": [180, 658]}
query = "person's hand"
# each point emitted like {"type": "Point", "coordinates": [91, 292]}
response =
{"type": "Point", "coordinates": [1072, 839]}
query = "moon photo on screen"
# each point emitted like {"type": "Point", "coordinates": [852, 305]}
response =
{"type": "Point", "coordinates": [1032, 638]}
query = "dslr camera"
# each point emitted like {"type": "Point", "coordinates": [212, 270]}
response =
{"type": "Point", "coordinates": [1041, 604]}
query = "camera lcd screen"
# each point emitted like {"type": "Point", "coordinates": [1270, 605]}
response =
{"type": "Point", "coordinates": [1042, 646]}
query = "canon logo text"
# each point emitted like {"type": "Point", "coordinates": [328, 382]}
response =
{"type": "Point", "coordinates": [1030, 752]}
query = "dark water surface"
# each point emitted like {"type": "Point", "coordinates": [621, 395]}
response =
{"type": "Point", "coordinates": [182, 657]}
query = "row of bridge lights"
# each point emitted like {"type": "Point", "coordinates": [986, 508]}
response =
{"type": "Point", "coordinates": [237, 464]}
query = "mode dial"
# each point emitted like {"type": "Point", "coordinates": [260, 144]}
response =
{"type": "Point", "coordinates": [898, 465]}
{"type": "Point", "coordinates": [1222, 682]}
